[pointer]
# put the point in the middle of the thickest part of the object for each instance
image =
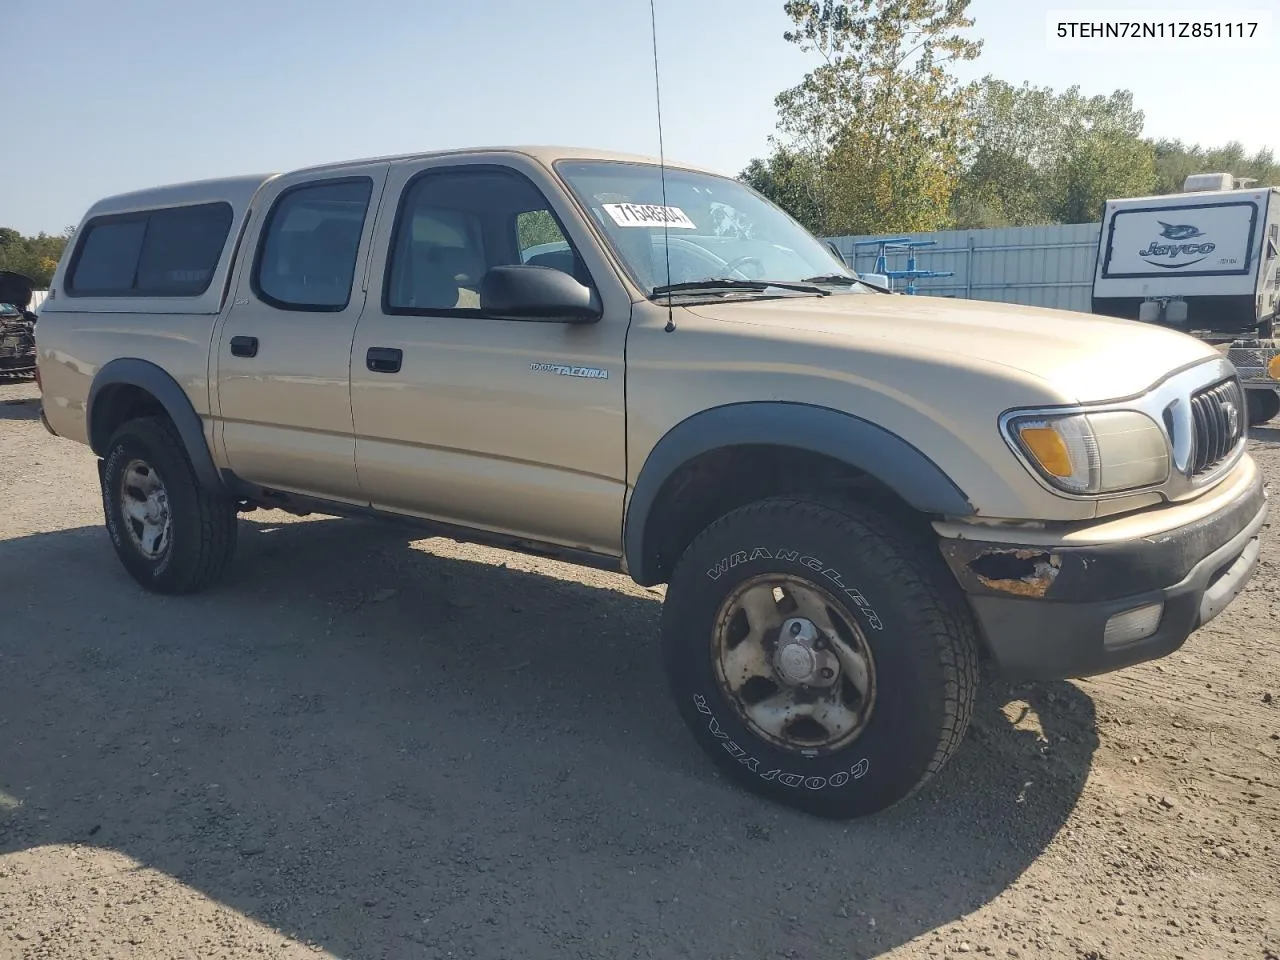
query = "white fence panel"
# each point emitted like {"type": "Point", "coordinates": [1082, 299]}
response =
{"type": "Point", "coordinates": [1049, 266]}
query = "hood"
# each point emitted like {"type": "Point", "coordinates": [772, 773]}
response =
{"type": "Point", "coordinates": [16, 289]}
{"type": "Point", "coordinates": [1085, 358]}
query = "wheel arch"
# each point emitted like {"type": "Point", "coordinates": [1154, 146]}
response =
{"type": "Point", "coordinates": [824, 441]}
{"type": "Point", "coordinates": [129, 387]}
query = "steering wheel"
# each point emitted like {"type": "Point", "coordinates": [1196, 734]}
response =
{"type": "Point", "coordinates": [738, 262]}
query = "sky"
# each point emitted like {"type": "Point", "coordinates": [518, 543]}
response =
{"type": "Point", "coordinates": [106, 97]}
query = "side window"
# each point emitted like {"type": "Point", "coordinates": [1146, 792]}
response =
{"type": "Point", "coordinates": [453, 225]}
{"type": "Point", "coordinates": [171, 252]}
{"type": "Point", "coordinates": [306, 258]}
{"type": "Point", "coordinates": [107, 260]}
{"type": "Point", "coordinates": [444, 258]}
{"type": "Point", "coordinates": [181, 248]}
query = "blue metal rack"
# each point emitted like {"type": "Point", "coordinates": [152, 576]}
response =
{"type": "Point", "coordinates": [897, 246]}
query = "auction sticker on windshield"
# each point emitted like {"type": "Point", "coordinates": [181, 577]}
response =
{"type": "Point", "coordinates": [648, 215]}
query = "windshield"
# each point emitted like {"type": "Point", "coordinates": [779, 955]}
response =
{"type": "Point", "coordinates": [709, 228]}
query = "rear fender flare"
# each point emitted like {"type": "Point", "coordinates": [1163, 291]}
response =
{"type": "Point", "coordinates": [130, 371]}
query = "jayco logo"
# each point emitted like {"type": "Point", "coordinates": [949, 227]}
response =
{"type": "Point", "coordinates": [1179, 233]}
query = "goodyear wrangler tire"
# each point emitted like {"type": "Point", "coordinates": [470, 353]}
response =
{"type": "Point", "coordinates": [172, 536]}
{"type": "Point", "coordinates": [821, 655]}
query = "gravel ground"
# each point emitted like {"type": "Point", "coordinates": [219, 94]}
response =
{"type": "Point", "coordinates": [367, 746]}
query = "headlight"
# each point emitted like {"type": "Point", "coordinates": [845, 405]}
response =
{"type": "Point", "coordinates": [1094, 453]}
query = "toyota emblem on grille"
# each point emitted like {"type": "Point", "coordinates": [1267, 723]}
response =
{"type": "Point", "coordinates": [1232, 416]}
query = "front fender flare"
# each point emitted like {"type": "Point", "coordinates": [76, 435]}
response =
{"type": "Point", "coordinates": [851, 440]}
{"type": "Point", "coordinates": [130, 371]}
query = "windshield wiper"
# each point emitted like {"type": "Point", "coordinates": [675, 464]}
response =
{"type": "Point", "coordinates": [727, 283]}
{"type": "Point", "coordinates": [843, 278]}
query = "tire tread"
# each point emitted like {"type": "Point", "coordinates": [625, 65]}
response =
{"type": "Point", "coordinates": [910, 560]}
{"type": "Point", "coordinates": [216, 516]}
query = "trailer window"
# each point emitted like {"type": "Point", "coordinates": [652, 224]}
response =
{"type": "Point", "coordinates": [169, 252]}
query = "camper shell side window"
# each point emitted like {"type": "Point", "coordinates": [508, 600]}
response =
{"type": "Point", "coordinates": [162, 252]}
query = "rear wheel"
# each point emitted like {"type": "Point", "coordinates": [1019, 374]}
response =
{"type": "Point", "coordinates": [1263, 405]}
{"type": "Point", "coordinates": [171, 535]}
{"type": "Point", "coordinates": [820, 654]}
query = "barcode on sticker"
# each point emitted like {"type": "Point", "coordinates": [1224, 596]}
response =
{"type": "Point", "coordinates": [648, 215]}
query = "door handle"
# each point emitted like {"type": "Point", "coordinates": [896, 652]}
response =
{"type": "Point", "coordinates": [244, 346]}
{"type": "Point", "coordinates": [383, 359]}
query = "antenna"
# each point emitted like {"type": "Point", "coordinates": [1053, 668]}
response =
{"type": "Point", "coordinates": [662, 163]}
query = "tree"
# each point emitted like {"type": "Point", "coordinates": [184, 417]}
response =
{"type": "Point", "coordinates": [1097, 167]}
{"type": "Point", "coordinates": [1175, 161]}
{"type": "Point", "coordinates": [1103, 154]}
{"type": "Point", "coordinates": [870, 139]}
{"type": "Point", "coordinates": [35, 257]}
{"type": "Point", "coordinates": [1037, 156]}
{"type": "Point", "coordinates": [1003, 184]}
{"type": "Point", "coordinates": [32, 256]}
{"type": "Point", "coordinates": [790, 179]}
{"type": "Point", "coordinates": [536, 227]}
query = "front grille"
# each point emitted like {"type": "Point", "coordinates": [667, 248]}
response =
{"type": "Point", "coordinates": [1218, 418]}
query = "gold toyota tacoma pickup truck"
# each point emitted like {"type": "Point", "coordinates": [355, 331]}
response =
{"type": "Point", "coordinates": [852, 495]}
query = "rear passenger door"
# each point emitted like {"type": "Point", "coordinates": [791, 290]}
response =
{"type": "Point", "coordinates": [283, 396]}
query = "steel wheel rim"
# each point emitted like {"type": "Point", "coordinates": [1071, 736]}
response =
{"type": "Point", "coordinates": [774, 640]}
{"type": "Point", "coordinates": [144, 502]}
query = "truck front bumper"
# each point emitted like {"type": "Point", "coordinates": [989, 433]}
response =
{"type": "Point", "coordinates": [1066, 608]}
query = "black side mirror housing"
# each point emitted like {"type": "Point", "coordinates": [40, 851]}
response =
{"type": "Point", "coordinates": [530, 292]}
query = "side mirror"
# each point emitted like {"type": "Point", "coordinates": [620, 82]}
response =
{"type": "Point", "coordinates": [528, 292]}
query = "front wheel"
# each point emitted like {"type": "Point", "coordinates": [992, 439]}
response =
{"type": "Point", "coordinates": [820, 654]}
{"type": "Point", "coordinates": [171, 535]}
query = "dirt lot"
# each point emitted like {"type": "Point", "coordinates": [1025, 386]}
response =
{"type": "Point", "coordinates": [365, 746]}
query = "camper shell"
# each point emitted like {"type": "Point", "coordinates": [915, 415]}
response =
{"type": "Point", "coordinates": [144, 217]}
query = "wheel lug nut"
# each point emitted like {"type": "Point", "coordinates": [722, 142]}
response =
{"type": "Point", "coordinates": [827, 673]}
{"type": "Point", "coordinates": [795, 629]}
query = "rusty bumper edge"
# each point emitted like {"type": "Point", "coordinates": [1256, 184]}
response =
{"type": "Point", "coordinates": [1098, 571]}
{"type": "Point", "coordinates": [1035, 639]}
